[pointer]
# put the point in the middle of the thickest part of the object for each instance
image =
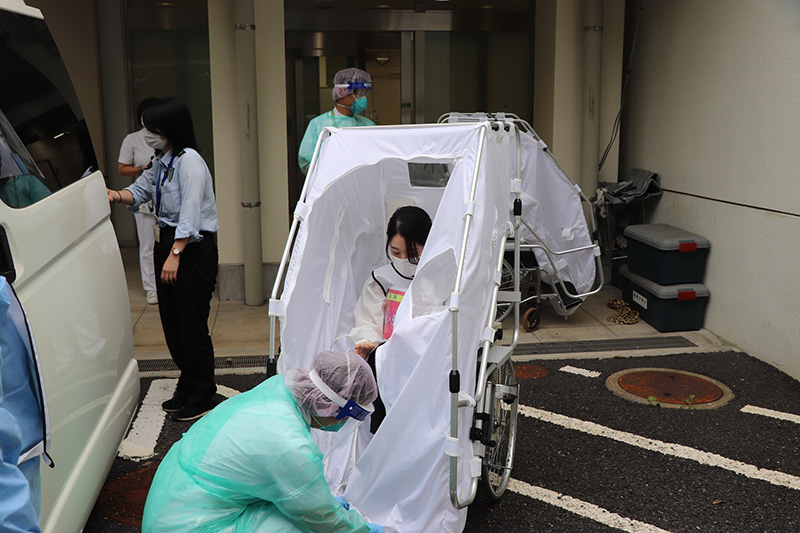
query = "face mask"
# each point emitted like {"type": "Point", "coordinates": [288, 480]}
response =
{"type": "Point", "coordinates": [403, 267]}
{"type": "Point", "coordinates": [359, 105]}
{"type": "Point", "coordinates": [334, 428]}
{"type": "Point", "coordinates": [154, 140]}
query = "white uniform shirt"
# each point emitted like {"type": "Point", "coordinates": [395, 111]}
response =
{"type": "Point", "coordinates": [136, 153]}
{"type": "Point", "coordinates": [370, 310]}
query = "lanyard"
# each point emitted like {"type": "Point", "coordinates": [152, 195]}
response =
{"type": "Point", "coordinates": [166, 175]}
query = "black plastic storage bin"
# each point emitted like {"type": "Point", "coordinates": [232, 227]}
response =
{"type": "Point", "coordinates": [680, 307]}
{"type": "Point", "coordinates": [666, 254]}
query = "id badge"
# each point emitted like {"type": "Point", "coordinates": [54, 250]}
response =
{"type": "Point", "coordinates": [157, 232]}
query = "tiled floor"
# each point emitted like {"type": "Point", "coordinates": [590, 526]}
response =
{"type": "Point", "coordinates": [238, 329]}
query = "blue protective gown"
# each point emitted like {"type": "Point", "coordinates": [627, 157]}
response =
{"type": "Point", "coordinates": [327, 119]}
{"type": "Point", "coordinates": [21, 422]}
{"type": "Point", "coordinates": [250, 465]}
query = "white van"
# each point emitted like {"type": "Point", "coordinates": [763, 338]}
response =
{"type": "Point", "coordinates": [59, 251]}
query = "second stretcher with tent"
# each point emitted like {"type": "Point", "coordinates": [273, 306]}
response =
{"type": "Point", "coordinates": [448, 386]}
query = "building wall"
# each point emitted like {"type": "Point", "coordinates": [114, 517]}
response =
{"type": "Point", "coordinates": [714, 109]}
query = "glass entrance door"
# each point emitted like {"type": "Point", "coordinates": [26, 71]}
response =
{"type": "Point", "coordinates": [423, 64]}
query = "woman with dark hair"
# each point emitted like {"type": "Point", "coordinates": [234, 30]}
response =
{"type": "Point", "coordinates": [186, 257]}
{"type": "Point", "coordinates": [406, 234]}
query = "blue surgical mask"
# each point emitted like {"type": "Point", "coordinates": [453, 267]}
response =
{"type": "Point", "coordinates": [335, 427]}
{"type": "Point", "coordinates": [359, 105]}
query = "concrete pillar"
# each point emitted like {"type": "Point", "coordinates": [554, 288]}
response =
{"type": "Point", "coordinates": [248, 149]}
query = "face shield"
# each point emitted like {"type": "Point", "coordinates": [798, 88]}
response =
{"type": "Point", "coordinates": [348, 407]}
{"type": "Point", "coordinates": [360, 88]}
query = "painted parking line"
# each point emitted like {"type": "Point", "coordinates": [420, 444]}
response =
{"type": "Point", "coordinates": [140, 442]}
{"type": "Point", "coordinates": [752, 409]}
{"type": "Point", "coordinates": [580, 371]}
{"type": "Point", "coordinates": [582, 508]}
{"type": "Point", "coordinates": [667, 448]}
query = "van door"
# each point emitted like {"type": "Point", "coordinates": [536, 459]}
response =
{"type": "Point", "coordinates": [59, 250]}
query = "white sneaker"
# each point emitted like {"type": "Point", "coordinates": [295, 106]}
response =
{"type": "Point", "coordinates": [152, 297]}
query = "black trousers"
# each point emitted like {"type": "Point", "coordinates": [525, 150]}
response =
{"type": "Point", "coordinates": [184, 307]}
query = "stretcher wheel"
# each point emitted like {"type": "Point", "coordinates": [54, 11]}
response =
{"type": "Point", "coordinates": [532, 317]}
{"type": "Point", "coordinates": [502, 399]}
{"type": "Point", "coordinates": [506, 284]}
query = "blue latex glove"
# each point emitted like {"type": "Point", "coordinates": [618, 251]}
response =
{"type": "Point", "coordinates": [374, 528]}
{"type": "Point", "coordinates": [343, 502]}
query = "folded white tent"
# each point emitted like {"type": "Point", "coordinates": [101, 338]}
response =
{"type": "Point", "coordinates": [463, 175]}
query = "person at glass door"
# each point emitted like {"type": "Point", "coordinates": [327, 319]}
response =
{"type": "Point", "coordinates": [350, 89]}
{"type": "Point", "coordinates": [134, 158]}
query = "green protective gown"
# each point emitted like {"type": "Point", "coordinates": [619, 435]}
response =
{"type": "Point", "coordinates": [327, 119]}
{"type": "Point", "coordinates": [250, 465]}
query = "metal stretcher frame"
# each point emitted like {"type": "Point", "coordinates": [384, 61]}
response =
{"type": "Point", "coordinates": [551, 255]}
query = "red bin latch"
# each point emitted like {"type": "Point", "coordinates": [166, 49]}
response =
{"type": "Point", "coordinates": [687, 247]}
{"type": "Point", "coordinates": [686, 295]}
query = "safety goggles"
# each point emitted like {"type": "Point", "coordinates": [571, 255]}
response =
{"type": "Point", "coordinates": [360, 88]}
{"type": "Point", "coordinates": [348, 407]}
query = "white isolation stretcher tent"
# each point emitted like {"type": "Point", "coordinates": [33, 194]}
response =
{"type": "Point", "coordinates": [421, 468]}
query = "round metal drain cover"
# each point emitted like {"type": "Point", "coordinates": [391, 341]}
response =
{"type": "Point", "coordinates": [669, 388]}
{"type": "Point", "coordinates": [529, 371]}
{"type": "Point", "coordinates": [123, 499]}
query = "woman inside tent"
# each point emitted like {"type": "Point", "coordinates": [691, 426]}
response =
{"type": "Point", "coordinates": [406, 234]}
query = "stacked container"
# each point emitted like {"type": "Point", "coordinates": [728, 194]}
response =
{"type": "Point", "coordinates": [664, 275]}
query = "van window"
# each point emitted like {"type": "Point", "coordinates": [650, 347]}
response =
{"type": "Point", "coordinates": [44, 141]}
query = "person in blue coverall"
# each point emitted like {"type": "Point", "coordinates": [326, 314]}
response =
{"type": "Point", "coordinates": [251, 465]}
{"type": "Point", "coordinates": [23, 419]}
{"type": "Point", "coordinates": [350, 88]}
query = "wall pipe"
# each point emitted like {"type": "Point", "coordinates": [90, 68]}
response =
{"type": "Point", "coordinates": [248, 150]}
{"type": "Point", "coordinates": [592, 62]}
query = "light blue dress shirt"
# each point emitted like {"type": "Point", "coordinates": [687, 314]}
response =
{"type": "Point", "coordinates": [182, 189]}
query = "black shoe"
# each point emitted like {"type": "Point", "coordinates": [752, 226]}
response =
{"type": "Point", "coordinates": [191, 412]}
{"type": "Point", "coordinates": [174, 404]}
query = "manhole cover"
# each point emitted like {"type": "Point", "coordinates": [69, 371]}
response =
{"type": "Point", "coordinates": [669, 388]}
{"type": "Point", "coordinates": [529, 371]}
{"type": "Point", "coordinates": [123, 499]}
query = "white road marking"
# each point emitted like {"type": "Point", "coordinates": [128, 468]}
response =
{"type": "Point", "coordinates": [752, 409]}
{"type": "Point", "coordinates": [580, 371]}
{"type": "Point", "coordinates": [667, 448]}
{"type": "Point", "coordinates": [226, 391]}
{"type": "Point", "coordinates": [582, 508]}
{"type": "Point", "coordinates": [140, 443]}
{"type": "Point", "coordinates": [141, 440]}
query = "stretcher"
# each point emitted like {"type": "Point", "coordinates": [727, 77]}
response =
{"type": "Point", "coordinates": [448, 385]}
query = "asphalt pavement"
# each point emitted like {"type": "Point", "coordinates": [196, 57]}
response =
{"type": "Point", "coordinates": [590, 460]}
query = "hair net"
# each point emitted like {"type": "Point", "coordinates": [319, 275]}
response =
{"type": "Point", "coordinates": [348, 75]}
{"type": "Point", "coordinates": [344, 372]}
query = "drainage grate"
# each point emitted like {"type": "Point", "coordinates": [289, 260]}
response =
{"type": "Point", "coordinates": [611, 345]}
{"type": "Point", "coordinates": [241, 361]}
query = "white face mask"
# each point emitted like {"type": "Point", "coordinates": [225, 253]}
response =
{"type": "Point", "coordinates": [154, 140]}
{"type": "Point", "coordinates": [403, 267]}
